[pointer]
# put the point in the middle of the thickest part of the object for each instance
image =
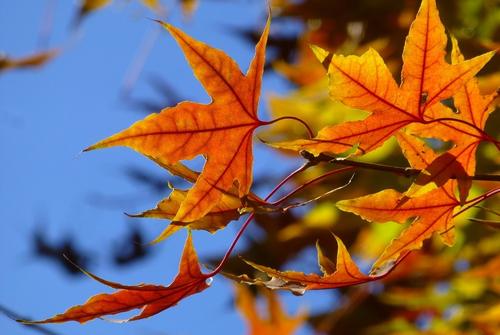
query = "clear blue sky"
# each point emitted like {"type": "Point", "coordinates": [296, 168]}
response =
{"type": "Point", "coordinates": [48, 115]}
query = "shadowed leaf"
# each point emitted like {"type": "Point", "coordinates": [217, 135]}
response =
{"type": "Point", "coordinates": [473, 108]}
{"type": "Point", "coordinates": [219, 216]}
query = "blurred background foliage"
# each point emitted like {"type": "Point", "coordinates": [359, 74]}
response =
{"type": "Point", "coordinates": [436, 290]}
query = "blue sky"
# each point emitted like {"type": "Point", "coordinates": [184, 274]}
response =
{"type": "Point", "coordinates": [48, 115]}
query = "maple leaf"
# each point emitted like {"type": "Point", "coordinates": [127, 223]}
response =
{"type": "Point", "coordinates": [437, 169]}
{"type": "Point", "coordinates": [230, 206]}
{"type": "Point", "coordinates": [432, 212]}
{"type": "Point", "coordinates": [473, 108]}
{"type": "Point", "coordinates": [221, 131]}
{"type": "Point", "coordinates": [151, 299]}
{"type": "Point", "coordinates": [340, 274]}
{"type": "Point", "coordinates": [366, 83]}
{"type": "Point", "coordinates": [278, 322]}
{"type": "Point", "coordinates": [179, 170]}
{"type": "Point", "coordinates": [218, 217]}
{"type": "Point", "coordinates": [416, 152]}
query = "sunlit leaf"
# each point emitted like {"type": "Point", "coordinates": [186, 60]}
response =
{"type": "Point", "coordinates": [150, 299]}
{"type": "Point", "coordinates": [342, 273]}
{"type": "Point", "coordinates": [432, 213]}
{"type": "Point", "coordinates": [221, 131]}
{"type": "Point", "coordinates": [473, 108]}
{"type": "Point", "coordinates": [365, 83]}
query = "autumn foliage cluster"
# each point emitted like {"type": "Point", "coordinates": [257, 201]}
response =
{"type": "Point", "coordinates": [435, 116]}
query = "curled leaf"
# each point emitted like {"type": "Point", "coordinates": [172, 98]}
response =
{"type": "Point", "coordinates": [343, 273]}
{"type": "Point", "coordinates": [219, 216]}
{"type": "Point", "coordinates": [150, 299]}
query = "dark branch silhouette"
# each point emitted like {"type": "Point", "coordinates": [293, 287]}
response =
{"type": "Point", "coordinates": [55, 251]}
{"type": "Point", "coordinates": [131, 249]}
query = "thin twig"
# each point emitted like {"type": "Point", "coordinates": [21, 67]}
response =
{"type": "Point", "coordinates": [249, 219]}
{"type": "Point", "coordinates": [308, 183]}
{"type": "Point", "coordinates": [402, 171]}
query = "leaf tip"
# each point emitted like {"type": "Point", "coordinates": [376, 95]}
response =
{"type": "Point", "coordinates": [25, 322]}
{"type": "Point", "coordinates": [171, 29]}
{"type": "Point", "coordinates": [324, 56]}
{"type": "Point", "coordinates": [162, 23]}
{"type": "Point", "coordinates": [342, 205]}
{"type": "Point", "coordinates": [263, 140]}
{"type": "Point", "coordinates": [133, 215]}
{"type": "Point", "coordinates": [90, 148]}
{"type": "Point", "coordinates": [29, 322]}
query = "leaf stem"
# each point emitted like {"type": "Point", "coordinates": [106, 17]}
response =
{"type": "Point", "coordinates": [403, 171]}
{"type": "Point", "coordinates": [476, 200]}
{"type": "Point", "coordinates": [309, 130]}
{"type": "Point", "coordinates": [310, 182]}
{"type": "Point", "coordinates": [250, 217]}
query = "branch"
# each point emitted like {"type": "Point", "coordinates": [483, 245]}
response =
{"type": "Point", "coordinates": [402, 171]}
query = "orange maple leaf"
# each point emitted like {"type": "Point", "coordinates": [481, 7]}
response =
{"type": "Point", "coordinates": [473, 108]}
{"type": "Point", "coordinates": [365, 83]}
{"type": "Point", "coordinates": [151, 299]}
{"type": "Point", "coordinates": [432, 212]}
{"type": "Point", "coordinates": [340, 274]}
{"type": "Point", "coordinates": [218, 217]}
{"type": "Point", "coordinates": [221, 131]}
{"type": "Point", "coordinates": [229, 207]}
